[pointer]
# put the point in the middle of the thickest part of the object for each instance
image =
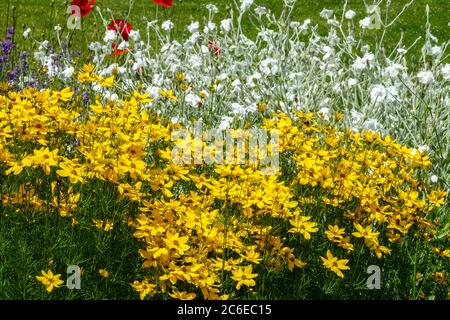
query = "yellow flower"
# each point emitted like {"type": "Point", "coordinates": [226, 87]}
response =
{"type": "Point", "coordinates": [293, 261]}
{"type": "Point", "coordinates": [108, 226]}
{"type": "Point", "coordinates": [168, 94]}
{"type": "Point", "coordinates": [334, 233]}
{"type": "Point", "coordinates": [104, 273]}
{"type": "Point", "coordinates": [64, 95]}
{"type": "Point", "coordinates": [177, 243]}
{"type": "Point", "coordinates": [244, 276]}
{"type": "Point", "coordinates": [366, 232]}
{"type": "Point", "coordinates": [441, 253]}
{"type": "Point", "coordinates": [440, 277]}
{"type": "Point", "coordinates": [71, 170]}
{"type": "Point", "coordinates": [334, 264]}
{"type": "Point", "coordinates": [437, 197]}
{"type": "Point", "coordinates": [302, 226]}
{"type": "Point", "coordinates": [49, 280]}
{"type": "Point", "coordinates": [105, 82]}
{"type": "Point", "coordinates": [104, 225]}
{"type": "Point", "coordinates": [46, 158]}
{"type": "Point", "coordinates": [140, 98]}
{"type": "Point", "coordinates": [144, 288]}
{"type": "Point", "coordinates": [88, 68]}
{"type": "Point", "coordinates": [182, 295]}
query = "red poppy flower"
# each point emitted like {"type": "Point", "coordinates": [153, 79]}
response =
{"type": "Point", "coordinates": [122, 27]}
{"type": "Point", "coordinates": [85, 7]}
{"type": "Point", "coordinates": [117, 51]}
{"type": "Point", "coordinates": [214, 47]}
{"type": "Point", "coordinates": [164, 3]}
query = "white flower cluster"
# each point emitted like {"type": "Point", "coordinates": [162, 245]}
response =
{"type": "Point", "coordinates": [229, 74]}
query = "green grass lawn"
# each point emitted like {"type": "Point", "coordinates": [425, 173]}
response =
{"type": "Point", "coordinates": [42, 15]}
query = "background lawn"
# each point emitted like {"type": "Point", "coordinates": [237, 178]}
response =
{"type": "Point", "coordinates": [42, 15]}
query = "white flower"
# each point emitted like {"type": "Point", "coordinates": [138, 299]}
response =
{"type": "Point", "coordinates": [295, 25]}
{"type": "Point", "coordinates": [365, 23]}
{"type": "Point", "coordinates": [445, 71]}
{"type": "Point", "coordinates": [135, 36]}
{"type": "Point", "coordinates": [425, 77]}
{"type": "Point", "coordinates": [362, 63]}
{"type": "Point", "coordinates": [352, 82]}
{"type": "Point", "coordinates": [356, 116]}
{"type": "Point", "coordinates": [58, 28]}
{"type": "Point", "coordinates": [167, 25]}
{"type": "Point", "coordinates": [225, 123]}
{"type": "Point", "coordinates": [447, 102]}
{"type": "Point", "coordinates": [26, 33]}
{"type": "Point", "coordinates": [94, 46]}
{"type": "Point", "coordinates": [434, 178]}
{"type": "Point", "coordinates": [350, 14]}
{"type": "Point", "coordinates": [326, 14]}
{"type": "Point", "coordinates": [110, 96]}
{"type": "Point", "coordinates": [123, 45]}
{"type": "Point", "coordinates": [193, 27]}
{"type": "Point", "coordinates": [110, 36]}
{"type": "Point", "coordinates": [423, 148]}
{"type": "Point", "coordinates": [289, 2]}
{"type": "Point", "coordinates": [245, 4]}
{"type": "Point", "coordinates": [325, 113]}
{"type": "Point", "coordinates": [393, 70]}
{"type": "Point", "coordinates": [260, 11]}
{"type": "Point", "coordinates": [210, 26]}
{"type": "Point", "coordinates": [226, 25]}
{"type": "Point", "coordinates": [333, 22]}
{"type": "Point", "coordinates": [378, 93]}
{"type": "Point", "coordinates": [68, 72]}
{"type": "Point", "coordinates": [436, 51]}
{"type": "Point", "coordinates": [237, 108]}
{"type": "Point", "coordinates": [138, 64]}
{"type": "Point", "coordinates": [373, 125]}
{"type": "Point", "coordinates": [236, 83]}
{"type": "Point", "coordinates": [212, 8]}
{"type": "Point", "coordinates": [328, 52]}
{"type": "Point", "coordinates": [269, 66]}
{"type": "Point", "coordinates": [192, 99]}
{"type": "Point", "coordinates": [153, 92]}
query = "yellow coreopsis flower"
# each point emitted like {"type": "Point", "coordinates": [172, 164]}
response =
{"type": "Point", "coordinates": [140, 98]}
{"type": "Point", "coordinates": [144, 288]}
{"type": "Point", "coordinates": [440, 277]}
{"type": "Point", "coordinates": [441, 253]}
{"type": "Point", "coordinates": [303, 226]}
{"type": "Point", "coordinates": [437, 197]}
{"type": "Point", "coordinates": [365, 233]}
{"type": "Point", "coordinates": [334, 233]}
{"type": "Point", "coordinates": [294, 262]}
{"type": "Point", "coordinates": [105, 82]}
{"type": "Point", "coordinates": [104, 273]}
{"type": "Point", "coordinates": [182, 295]}
{"type": "Point", "coordinates": [168, 94]}
{"type": "Point", "coordinates": [244, 276]}
{"type": "Point", "coordinates": [335, 264]}
{"type": "Point", "coordinates": [177, 243]}
{"type": "Point", "coordinates": [88, 68]}
{"type": "Point", "coordinates": [46, 158]}
{"type": "Point", "coordinates": [50, 280]}
{"type": "Point", "coordinates": [70, 170]}
{"type": "Point", "coordinates": [64, 95]}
